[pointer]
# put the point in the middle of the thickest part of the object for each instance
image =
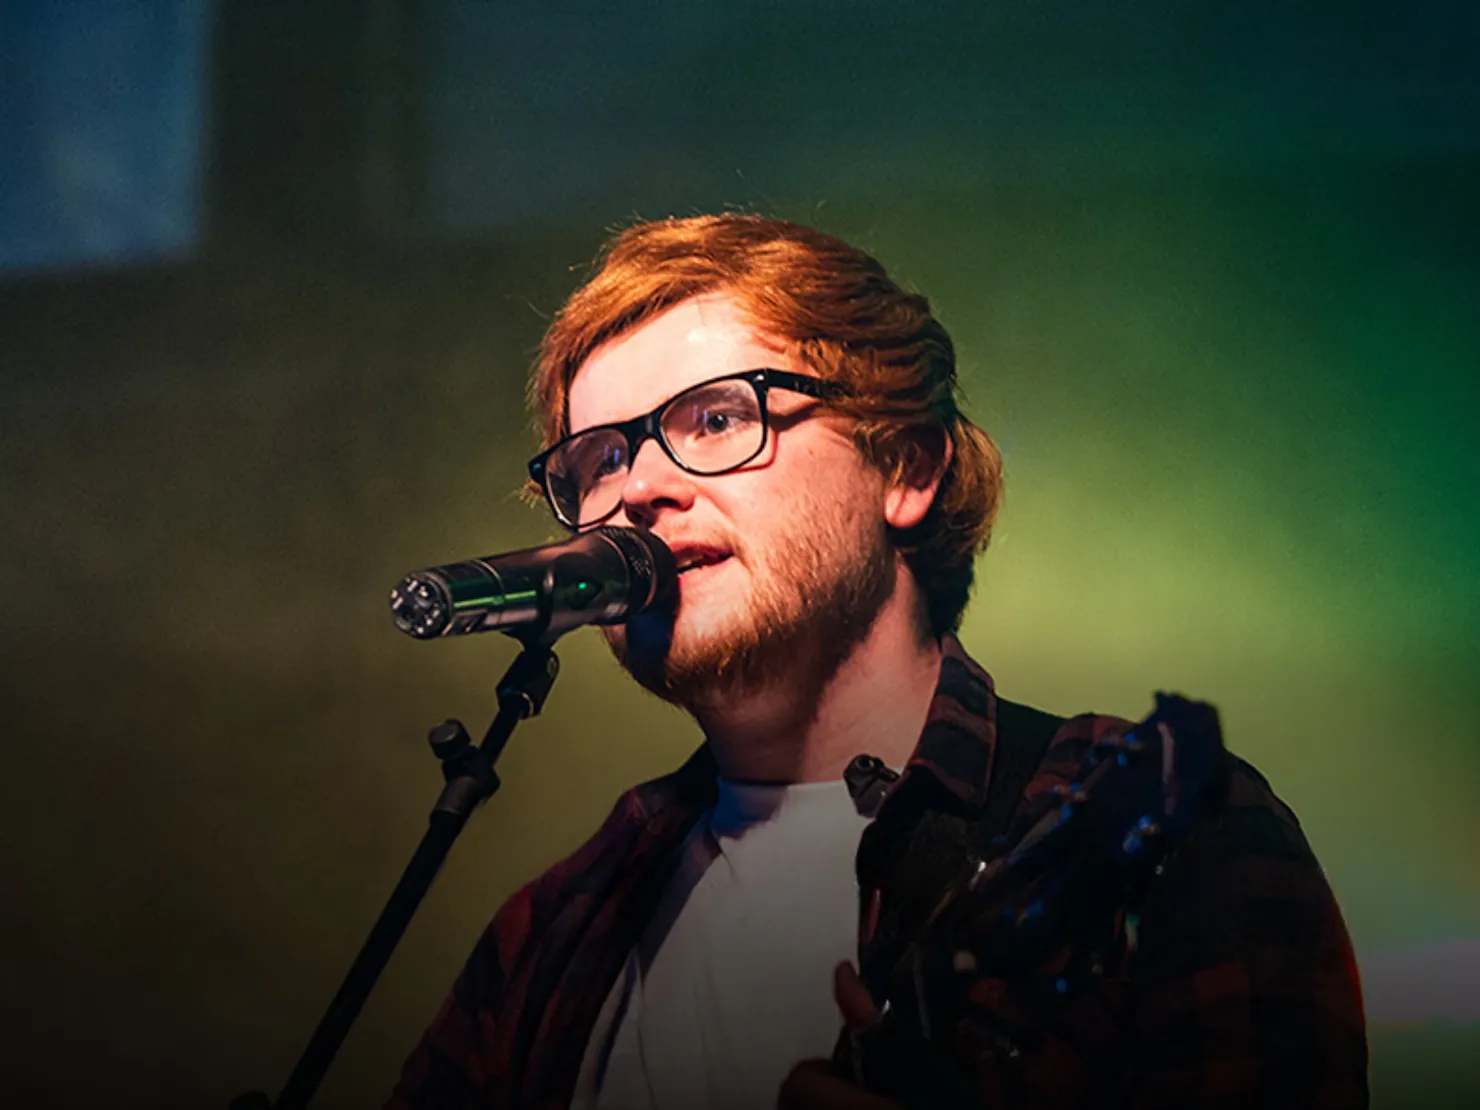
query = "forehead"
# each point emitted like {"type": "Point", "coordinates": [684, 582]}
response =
{"type": "Point", "coordinates": [700, 338]}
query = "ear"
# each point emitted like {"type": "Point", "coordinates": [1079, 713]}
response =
{"type": "Point", "coordinates": [908, 499]}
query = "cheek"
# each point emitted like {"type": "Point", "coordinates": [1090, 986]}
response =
{"type": "Point", "coordinates": [799, 482]}
{"type": "Point", "coordinates": [827, 457]}
{"type": "Point", "coordinates": [830, 477]}
{"type": "Point", "coordinates": [754, 508]}
{"type": "Point", "coordinates": [829, 503]}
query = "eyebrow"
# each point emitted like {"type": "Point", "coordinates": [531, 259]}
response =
{"type": "Point", "coordinates": [572, 431]}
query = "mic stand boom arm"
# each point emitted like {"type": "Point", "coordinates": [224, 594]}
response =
{"type": "Point", "coordinates": [470, 779]}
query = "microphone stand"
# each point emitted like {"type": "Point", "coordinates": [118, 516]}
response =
{"type": "Point", "coordinates": [470, 779]}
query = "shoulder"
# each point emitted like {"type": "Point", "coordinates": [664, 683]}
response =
{"type": "Point", "coordinates": [1247, 879]}
{"type": "Point", "coordinates": [1247, 820]}
{"type": "Point", "coordinates": [641, 822]}
{"type": "Point", "coordinates": [1247, 849]}
{"type": "Point", "coordinates": [1246, 980]}
{"type": "Point", "coordinates": [1243, 882]}
{"type": "Point", "coordinates": [472, 1038]}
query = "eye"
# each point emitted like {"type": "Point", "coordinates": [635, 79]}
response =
{"type": "Point", "coordinates": [712, 413]}
{"type": "Point", "coordinates": [590, 459]}
{"type": "Point", "coordinates": [610, 462]}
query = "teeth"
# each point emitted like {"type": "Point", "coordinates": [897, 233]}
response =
{"type": "Point", "coordinates": [692, 561]}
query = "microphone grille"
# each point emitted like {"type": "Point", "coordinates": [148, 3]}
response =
{"type": "Point", "coordinates": [421, 606]}
{"type": "Point", "coordinates": [652, 562]}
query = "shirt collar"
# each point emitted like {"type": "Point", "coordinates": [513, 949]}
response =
{"type": "Point", "coordinates": [960, 733]}
{"type": "Point", "coordinates": [955, 746]}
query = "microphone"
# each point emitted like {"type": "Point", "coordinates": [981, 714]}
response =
{"type": "Point", "coordinates": [602, 576]}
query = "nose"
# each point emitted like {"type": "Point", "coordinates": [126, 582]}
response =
{"type": "Point", "coordinates": [655, 484]}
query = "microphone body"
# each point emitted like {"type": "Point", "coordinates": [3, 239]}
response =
{"type": "Point", "coordinates": [602, 576]}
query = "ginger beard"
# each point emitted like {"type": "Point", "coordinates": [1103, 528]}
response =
{"type": "Point", "coordinates": [814, 592]}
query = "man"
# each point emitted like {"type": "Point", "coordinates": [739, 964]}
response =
{"type": "Point", "coordinates": [765, 399]}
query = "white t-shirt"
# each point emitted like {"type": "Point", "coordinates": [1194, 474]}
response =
{"type": "Point", "coordinates": [732, 982]}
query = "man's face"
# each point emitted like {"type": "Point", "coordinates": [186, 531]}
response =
{"type": "Point", "coordinates": [795, 557]}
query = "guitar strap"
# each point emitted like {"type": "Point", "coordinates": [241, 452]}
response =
{"type": "Point", "coordinates": [925, 838]}
{"type": "Point", "coordinates": [1023, 736]}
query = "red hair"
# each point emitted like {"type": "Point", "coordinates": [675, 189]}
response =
{"type": "Point", "coordinates": [834, 309]}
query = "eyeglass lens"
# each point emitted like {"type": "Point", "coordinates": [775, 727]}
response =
{"type": "Point", "coordinates": [710, 429]}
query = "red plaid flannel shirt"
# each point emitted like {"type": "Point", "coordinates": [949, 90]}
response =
{"type": "Point", "coordinates": [1243, 991]}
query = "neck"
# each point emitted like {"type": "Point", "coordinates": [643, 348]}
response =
{"type": "Point", "coordinates": [875, 703]}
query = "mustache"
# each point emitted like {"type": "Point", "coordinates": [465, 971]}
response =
{"type": "Point", "coordinates": [729, 543]}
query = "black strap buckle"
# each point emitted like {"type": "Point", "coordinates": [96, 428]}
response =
{"type": "Point", "coordinates": [869, 781]}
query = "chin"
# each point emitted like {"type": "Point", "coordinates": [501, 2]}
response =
{"type": "Point", "coordinates": [793, 625]}
{"type": "Point", "coordinates": [706, 634]}
{"type": "Point", "coordinates": [682, 659]}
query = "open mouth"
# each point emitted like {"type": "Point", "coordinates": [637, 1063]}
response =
{"type": "Point", "coordinates": [697, 560]}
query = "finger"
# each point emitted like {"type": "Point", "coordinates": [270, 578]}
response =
{"type": "Point", "coordinates": [853, 998]}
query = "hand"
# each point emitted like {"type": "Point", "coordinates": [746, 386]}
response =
{"type": "Point", "coordinates": [813, 1084]}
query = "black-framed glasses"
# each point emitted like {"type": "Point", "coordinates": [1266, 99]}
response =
{"type": "Point", "coordinates": [710, 428]}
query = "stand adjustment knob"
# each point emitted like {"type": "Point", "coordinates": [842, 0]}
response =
{"type": "Point", "coordinates": [449, 740]}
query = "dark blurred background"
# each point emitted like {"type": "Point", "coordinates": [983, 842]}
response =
{"type": "Point", "coordinates": [271, 276]}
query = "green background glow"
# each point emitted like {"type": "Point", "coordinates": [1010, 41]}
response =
{"type": "Point", "coordinates": [1237, 397]}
